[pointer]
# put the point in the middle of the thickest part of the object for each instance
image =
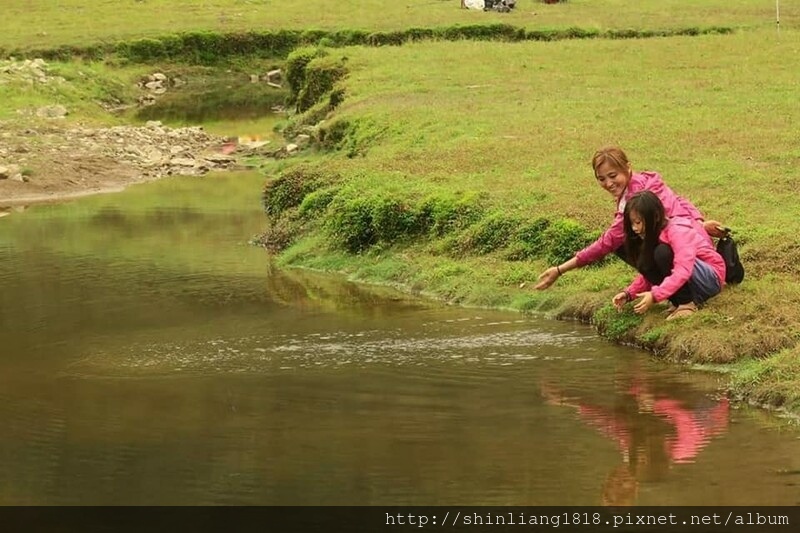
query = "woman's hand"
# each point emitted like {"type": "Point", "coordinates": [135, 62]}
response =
{"type": "Point", "coordinates": [714, 228]}
{"type": "Point", "coordinates": [620, 300]}
{"type": "Point", "coordinates": [547, 278]}
{"type": "Point", "coordinates": [645, 303]}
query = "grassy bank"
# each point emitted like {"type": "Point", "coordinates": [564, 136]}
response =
{"type": "Point", "coordinates": [439, 177]}
{"type": "Point", "coordinates": [459, 169]}
{"type": "Point", "coordinates": [42, 24]}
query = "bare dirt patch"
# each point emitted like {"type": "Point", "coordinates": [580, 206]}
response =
{"type": "Point", "coordinates": [55, 162]}
{"type": "Point", "coordinates": [80, 175]}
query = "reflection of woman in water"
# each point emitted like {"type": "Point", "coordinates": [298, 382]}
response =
{"type": "Point", "coordinates": [651, 432]}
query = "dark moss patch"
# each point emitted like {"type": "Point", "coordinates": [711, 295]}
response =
{"type": "Point", "coordinates": [207, 47]}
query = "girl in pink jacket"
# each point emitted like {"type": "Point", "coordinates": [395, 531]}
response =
{"type": "Point", "coordinates": [614, 174]}
{"type": "Point", "coordinates": [676, 262]}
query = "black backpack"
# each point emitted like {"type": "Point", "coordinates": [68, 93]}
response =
{"type": "Point", "coordinates": [726, 247]}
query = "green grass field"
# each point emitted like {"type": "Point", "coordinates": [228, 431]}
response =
{"type": "Point", "coordinates": [36, 24]}
{"type": "Point", "coordinates": [515, 124]}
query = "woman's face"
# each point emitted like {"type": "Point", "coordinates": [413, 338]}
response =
{"type": "Point", "coordinates": [612, 178]}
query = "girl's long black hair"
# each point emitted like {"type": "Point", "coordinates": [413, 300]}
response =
{"type": "Point", "coordinates": [651, 210]}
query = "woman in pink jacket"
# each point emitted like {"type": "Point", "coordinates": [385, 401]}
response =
{"type": "Point", "coordinates": [676, 262]}
{"type": "Point", "coordinates": [614, 174]}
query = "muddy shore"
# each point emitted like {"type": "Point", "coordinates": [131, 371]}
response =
{"type": "Point", "coordinates": [56, 162]}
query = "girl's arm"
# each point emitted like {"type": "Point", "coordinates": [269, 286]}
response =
{"type": "Point", "coordinates": [638, 285]}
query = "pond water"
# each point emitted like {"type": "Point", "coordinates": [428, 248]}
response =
{"type": "Point", "coordinates": [225, 104]}
{"type": "Point", "coordinates": [149, 355]}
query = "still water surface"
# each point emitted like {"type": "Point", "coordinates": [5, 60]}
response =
{"type": "Point", "coordinates": [149, 355]}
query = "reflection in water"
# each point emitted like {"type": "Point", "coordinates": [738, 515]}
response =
{"type": "Point", "coordinates": [7, 210]}
{"type": "Point", "coordinates": [651, 430]}
{"type": "Point", "coordinates": [231, 107]}
{"type": "Point", "coordinates": [210, 100]}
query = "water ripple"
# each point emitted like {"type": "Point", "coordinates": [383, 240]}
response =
{"type": "Point", "coordinates": [254, 354]}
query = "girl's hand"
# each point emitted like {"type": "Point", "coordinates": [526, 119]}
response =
{"type": "Point", "coordinates": [620, 300]}
{"type": "Point", "coordinates": [645, 303]}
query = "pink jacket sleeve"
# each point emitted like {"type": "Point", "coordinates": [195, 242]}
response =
{"type": "Point", "coordinates": [639, 284]}
{"type": "Point", "coordinates": [613, 238]}
{"type": "Point", "coordinates": [684, 248]}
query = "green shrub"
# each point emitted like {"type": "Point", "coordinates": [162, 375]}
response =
{"type": "Point", "coordinates": [299, 122]}
{"type": "Point", "coordinates": [333, 134]}
{"type": "Point", "coordinates": [623, 34]}
{"type": "Point", "coordinates": [69, 52]}
{"type": "Point", "coordinates": [615, 325]}
{"type": "Point", "coordinates": [541, 35]}
{"type": "Point", "coordinates": [652, 336]}
{"type": "Point", "coordinates": [356, 222]}
{"type": "Point", "coordinates": [420, 34]}
{"type": "Point", "coordinates": [563, 238]}
{"type": "Point", "coordinates": [447, 214]}
{"type": "Point", "coordinates": [296, 63]}
{"type": "Point", "coordinates": [311, 37]}
{"type": "Point", "coordinates": [315, 202]}
{"type": "Point", "coordinates": [394, 220]}
{"type": "Point", "coordinates": [394, 38]}
{"type": "Point", "coordinates": [320, 75]}
{"type": "Point", "coordinates": [529, 241]}
{"type": "Point", "coordinates": [204, 48]}
{"type": "Point", "coordinates": [483, 32]}
{"type": "Point", "coordinates": [491, 233]}
{"type": "Point", "coordinates": [580, 33]}
{"type": "Point", "coordinates": [353, 137]}
{"type": "Point", "coordinates": [349, 223]}
{"type": "Point", "coordinates": [348, 37]}
{"type": "Point", "coordinates": [142, 50]}
{"type": "Point", "coordinates": [280, 233]}
{"type": "Point", "coordinates": [209, 47]}
{"type": "Point", "coordinates": [290, 189]}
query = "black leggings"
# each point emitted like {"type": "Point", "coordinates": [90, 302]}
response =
{"type": "Point", "coordinates": [663, 262]}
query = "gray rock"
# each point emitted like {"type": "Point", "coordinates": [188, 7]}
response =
{"type": "Point", "coordinates": [182, 162]}
{"type": "Point", "coordinates": [274, 78]}
{"type": "Point", "coordinates": [302, 139]}
{"type": "Point", "coordinates": [219, 158]}
{"type": "Point", "coordinates": [52, 111]}
{"type": "Point", "coordinates": [153, 157]}
{"type": "Point", "coordinates": [8, 171]}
